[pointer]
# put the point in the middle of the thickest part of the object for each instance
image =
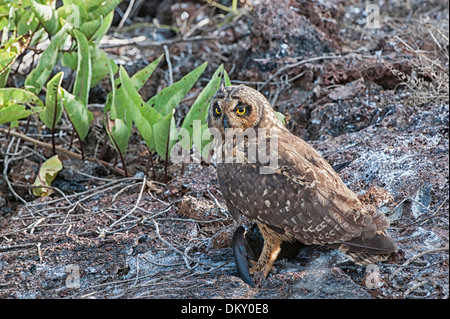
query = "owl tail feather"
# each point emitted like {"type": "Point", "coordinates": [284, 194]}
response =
{"type": "Point", "coordinates": [364, 251]}
{"type": "Point", "coordinates": [364, 259]}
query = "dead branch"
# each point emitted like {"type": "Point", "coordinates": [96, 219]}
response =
{"type": "Point", "coordinates": [104, 231]}
{"type": "Point", "coordinates": [410, 260]}
{"type": "Point", "coordinates": [59, 149]}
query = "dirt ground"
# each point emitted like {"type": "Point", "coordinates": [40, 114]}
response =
{"type": "Point", "coordinates": [378, 97]}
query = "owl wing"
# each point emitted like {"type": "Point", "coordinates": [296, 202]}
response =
{"type": "Point", "coordinates": [304, 197]}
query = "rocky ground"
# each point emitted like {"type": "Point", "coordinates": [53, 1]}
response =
{"type": "Point", "coordinates": [376, 97]}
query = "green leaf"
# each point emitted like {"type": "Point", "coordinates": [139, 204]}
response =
{"type": "Point", "coordinates": [27, 22]}
{"type": "Point", "coordinates": [122, 109]}
{"type": "Point", "coordinates": [117, 129]}
{"type": "Point", "coordinates": [119, 111]}
{"type": "Point", "coordinates": [281, 117]}
{"type": "Point", "coordinates": [142, 76]}
{"type": "Point", "coordinates": [84, 68]}
{"type": "Point", "coordinates": [203, 140]}
{"type": "Point", "coordinates": [169, 98]}
{"type": "Point", "coordinates": [162, 130]}
{"type": "Point", "coordinates": [226, 78]}
{"type": "Point", "coordinates": [17, 104]}
{"type": "Point", "coordinates": [111, 98]}
{"type": "Point", "coordinates": [39, 75]}
{"type": "Point", "coordinates": [47, 15]}
{"type": "Point", "coordinates": [104, 27]}
{"type": "Point", "coordinates": [73, 13]}
{"type": "Point", "coordinates": [3, 21]}
{"type": "Point", "coordinates": [199, 109]}
{"type": "Point", "coordinates": [70, 59]}
{"type": "Point", "coordinates": [119, 134]}
{"type": "Point", "coordinates": [52, 100]}
{"type": "Point", "coordinates": [97, 8]}
{"type": "Point", "coordinates": [127, 95]}
{"type": "Point", "coordinates": [80, 117]}
{"type": "Point", "coordinates": [9, 26]}
{"type": "Point", "coordinates": [150, 114]}
{"type": "Point", "coordinates": [9, 53]}
{"type": "Point", "coordinates": [89, 28]}
{"type": "Point", "coordinates": [47, 174]}
{"type": "Point", "coordinates": [134, 106]}
{"type": "Point", "coordinates": [6, 61]}
{"type": "Point", "coordinates": [100, 65]}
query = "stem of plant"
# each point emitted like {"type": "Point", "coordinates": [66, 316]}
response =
{"type": "Point", "coordinates": [54, 124]}
{"type": "Point", "coordinates": [34, 53]}
{"type": "Point", "coordinates": [71, 139]}
{"type": "Point", "coordinates": [115, 153]}
{"type": "Point", "coordinates": [61, 150]}
{"type": "Point", "coordinates": [123, 163]}
{"type": "Point", "coordinates": [182, 169]}
{"type": "Point", "coordinates": [81, 146]}
{"type": "Point", "coordinates": [167, 158]}
{"type": "Point", "coordinates": [121, 158]}
{"type": "Point", "coordinates": [153, 165]}
{"type": "Point", "coordinates": [27, 125]}
{"type": "Point", "coordinates": [81, 142]}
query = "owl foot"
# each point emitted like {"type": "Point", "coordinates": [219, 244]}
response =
{"type": "Point", "coordinates": [269, 253]}
{"type": "Point", "coordinates": [243, 255]}
{"type": "Point", "coordinates": [252, 262]}
{"type": "Point", "coordinates": [265, 262]}
{"type": "Point", "coordinates": [261, 268]}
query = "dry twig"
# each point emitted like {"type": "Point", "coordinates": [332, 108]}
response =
{"type": "Point", "coordinates": [59, 149]}
{"type": "Point", "coordinates": [410, 260]}
{"type": "Point", "coordinates": [108, 229]}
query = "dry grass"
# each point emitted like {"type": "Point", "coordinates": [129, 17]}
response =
{"type": "Point", "coordinates": [429, 80]}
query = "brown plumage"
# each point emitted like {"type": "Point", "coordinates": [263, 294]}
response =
{"type": "Point", "coordinates": [301, 197]}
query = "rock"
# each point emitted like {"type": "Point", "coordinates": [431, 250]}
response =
{"type": "Point", "coordinates": [422, 200]}
{"type": "Point", "coordinates": [196, 208]}
{"type": "Point", "coordinates": [347, 91]}
{"type": "Point", "coordinates": [222, 238]}
{"type": "Point", "coordinates": [376, 197]}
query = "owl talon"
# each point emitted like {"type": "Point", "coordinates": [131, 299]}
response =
{"type": "Point", "coordinates": [264, 269]}
{"type": "Point", "coordinates": [254, 269]}
{"type": "Point", "coordinates": [269, 254]}
{"type": "Point", "coordinates": [252, 262]}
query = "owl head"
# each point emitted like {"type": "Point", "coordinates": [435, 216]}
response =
{"type": "Point", "coordinates": [239, 107]}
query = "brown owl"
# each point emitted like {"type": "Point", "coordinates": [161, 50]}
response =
{"type": "Point", "coordinates": [293, 194]}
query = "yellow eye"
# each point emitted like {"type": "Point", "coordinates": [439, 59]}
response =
{"type": "Point", "coordinates": [241, 110]}
{"type": "Point", "coordinates": [218, 110]}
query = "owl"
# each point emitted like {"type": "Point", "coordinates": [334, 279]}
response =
{"type": "Point", "coordinates": [294, 196]}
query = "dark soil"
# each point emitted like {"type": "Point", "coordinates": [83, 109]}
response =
{"type": "Point", "coordinates": [356, 94]}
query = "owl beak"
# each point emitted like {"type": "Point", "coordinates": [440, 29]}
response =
{"type": "Point", "coordinates": [225, 121]}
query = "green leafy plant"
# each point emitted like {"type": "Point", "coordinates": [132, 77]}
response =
{"type": "Point", "coordinates": [18, 103]}
{"type": "Point", "coordinates": [73, 32]}
{"type": "Point", "coordinates": [154, 119]}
